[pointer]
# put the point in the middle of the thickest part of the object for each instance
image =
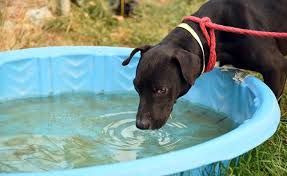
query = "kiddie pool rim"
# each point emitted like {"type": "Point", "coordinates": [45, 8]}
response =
{"type": "Point", "coordinates": [225, 147]}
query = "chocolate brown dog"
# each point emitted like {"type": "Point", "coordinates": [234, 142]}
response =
{"type": "Point", "coordinates": [167, 70]}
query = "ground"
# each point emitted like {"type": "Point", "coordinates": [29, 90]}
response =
{"type": "Point", "coordinates": [93, 24]}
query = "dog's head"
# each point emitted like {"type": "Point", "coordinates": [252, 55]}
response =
{"type": "Point", "coordinates": [164, 73]}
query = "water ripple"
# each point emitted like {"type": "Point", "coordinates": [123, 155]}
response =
{"type": "Point", "coordinates": [123, 134]}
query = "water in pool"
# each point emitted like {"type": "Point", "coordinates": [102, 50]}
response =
{"type": "Point", "coordinates": [84, 129]}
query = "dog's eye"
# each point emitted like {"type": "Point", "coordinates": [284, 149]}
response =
{"type": "Point", "coordinates": [160, 91]}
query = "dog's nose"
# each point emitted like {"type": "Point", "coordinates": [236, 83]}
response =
{"type": "Point", "coordinates": [144, 123]}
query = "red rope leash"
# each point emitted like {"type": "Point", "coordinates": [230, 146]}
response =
{"type": "Point", "coordinates": [209, 35]}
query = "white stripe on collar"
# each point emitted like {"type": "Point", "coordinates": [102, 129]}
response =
{"type": "Point", "coordinates": [196, 37]}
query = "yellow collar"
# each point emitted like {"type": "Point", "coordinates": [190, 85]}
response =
{"type": "Point", "coordinates": [196, 37]}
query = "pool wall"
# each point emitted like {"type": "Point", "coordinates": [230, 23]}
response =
{"type": "Point", "coordinates": [54, 70]}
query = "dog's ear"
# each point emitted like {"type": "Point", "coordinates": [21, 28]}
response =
{"type": "Point", "coordinates": [190, 65]}
{"type": "Point", "coordinates": [142, 49]}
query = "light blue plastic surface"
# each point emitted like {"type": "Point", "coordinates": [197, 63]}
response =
{"type": "Point", "coordinates": [54, 70]}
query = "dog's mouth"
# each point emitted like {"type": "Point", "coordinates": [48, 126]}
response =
{"type": "Point", "coordinates": [155, 120]}
{"type": "Point", "coordinates": [159, 124]}
{"type": "Point", "coordinates": [154, 124]}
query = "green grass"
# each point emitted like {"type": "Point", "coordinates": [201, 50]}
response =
{"type": "Point", "coordinates": [94, 25]}
{"type": "Point", "coordinates": [152, 23]}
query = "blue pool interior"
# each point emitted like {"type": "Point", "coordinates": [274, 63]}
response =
{"type": "Point", "coordinates": [55, 70]}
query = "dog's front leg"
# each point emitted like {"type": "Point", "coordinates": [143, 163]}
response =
{"type": "Point", "coordinates": [275, 76]}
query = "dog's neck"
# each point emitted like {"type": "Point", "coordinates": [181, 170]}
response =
{"type": "Point", "coordinates": [183, 39]}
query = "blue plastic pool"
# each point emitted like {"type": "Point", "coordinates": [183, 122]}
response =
{"type": "Point", "coordinates": [49, 71]}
